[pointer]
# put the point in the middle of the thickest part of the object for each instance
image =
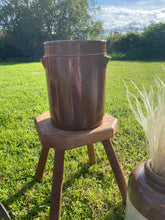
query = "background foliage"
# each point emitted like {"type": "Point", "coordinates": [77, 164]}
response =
{"type": "Point", "coordinates": [133, 45]}
{"type": "Point", "coordinates": [26, 24]}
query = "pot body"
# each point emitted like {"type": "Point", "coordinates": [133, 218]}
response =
{"type": "Point", "coordinates": [75, 73]}
{"type": "Point", "coordinates": [146, 194]}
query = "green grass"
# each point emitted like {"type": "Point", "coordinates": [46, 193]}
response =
{"type": "Point", "coordinates": [89, 192]}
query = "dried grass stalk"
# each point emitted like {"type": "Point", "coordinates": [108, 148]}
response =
{"type": "Point", "coordinates": [152, 119]}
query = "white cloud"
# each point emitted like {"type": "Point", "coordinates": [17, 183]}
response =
{"type": "Point", "coordinates": [124, 18]}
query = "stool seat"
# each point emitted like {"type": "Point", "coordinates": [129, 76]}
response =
{"type": "Point", "coordinates": [52, 137]}
{"type": "Point", "coordinates": [62, 140]}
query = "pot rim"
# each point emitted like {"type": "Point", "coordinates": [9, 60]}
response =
{"type": "Point", "coordinates": [150, 170]}
{"type": "Point", "coordinates": [154, 180]}
{"type": "Point", "coordinates": [74, 41]}
{"type": "Point", "coordinates": [67, 48]}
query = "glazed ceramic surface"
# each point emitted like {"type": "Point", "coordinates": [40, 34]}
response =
{"type": "Point", "coordinates": [146, 192]}
{"type": "Point", "coordinates": [75, 73]}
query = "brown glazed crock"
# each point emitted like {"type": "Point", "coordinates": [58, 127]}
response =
{"type": "Point", "coordinates": [146, 191]}
{"type": "Point", "coordinates": [75, 73]}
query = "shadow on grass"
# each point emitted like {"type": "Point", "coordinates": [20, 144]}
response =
{"type": "Point", "coordinates": [43, 207]}
{"type": "Point", "coordinates": [32, 212]}
{"type": "Point", "coordinates": [137, 59]}
{"type": "Point", "coordinates": [84, 169]}
{"type": "Point", "coordinates": [46, 203]}
{"type": "Point", "coordinates": [18, 195]}
{"type": "Point", "coordinates": [115, 214]}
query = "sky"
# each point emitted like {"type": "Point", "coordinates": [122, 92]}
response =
{"type": "Point", "coordinates": [124, 15]}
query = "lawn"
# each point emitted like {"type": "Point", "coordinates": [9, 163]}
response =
{"type": "Point", "coordinates": [89, 192]}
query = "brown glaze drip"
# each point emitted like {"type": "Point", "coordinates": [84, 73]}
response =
{"type": "Point", "coordinates": [146, 191]}
{"type": "Point", "coordinates": [76, 84]}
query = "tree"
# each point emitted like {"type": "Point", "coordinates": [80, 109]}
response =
{"type": "Point", "coordinates": [28, 23]}
{"type": "Point", "coordinates": [21, 27]}
{"type": "Point", "coordinates": [112, 40]}
{"type": "Point", "coordinates": [148, 44]}
{"type": "Point", "coordinates": [154, 36]}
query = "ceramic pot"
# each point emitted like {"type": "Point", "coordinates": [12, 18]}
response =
{"type": "Point", "coordinates": [75, 73]}
{"type": "Point", "coordinates": [146, 194]}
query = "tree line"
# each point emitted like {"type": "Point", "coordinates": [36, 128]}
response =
{"type": "Point", "coordinates": [148, 44]}
{"type": "Point", "coordinates": [26, 24]}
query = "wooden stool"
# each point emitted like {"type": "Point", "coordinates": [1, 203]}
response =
{"type": "Point", "coordinates": [61, 140]}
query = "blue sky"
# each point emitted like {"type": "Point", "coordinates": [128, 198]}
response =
{"type": "Point", "coordinates": [122, 15]}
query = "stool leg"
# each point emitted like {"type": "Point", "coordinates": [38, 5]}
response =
{"type": "Point", "coordinates": [116, 168]}
{"type": "Point", "coordinates": [91, 153]}
{"type": "Point", "coordinates": [41, 164]}
{"type": "Point", "coordinates": [56, 196]}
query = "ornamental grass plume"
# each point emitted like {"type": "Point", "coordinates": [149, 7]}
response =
{"type": "Point", "coordinates": [151, 116]}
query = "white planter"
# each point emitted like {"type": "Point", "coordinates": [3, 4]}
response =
{"type": "Point", "coordinates": [132, 213]}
